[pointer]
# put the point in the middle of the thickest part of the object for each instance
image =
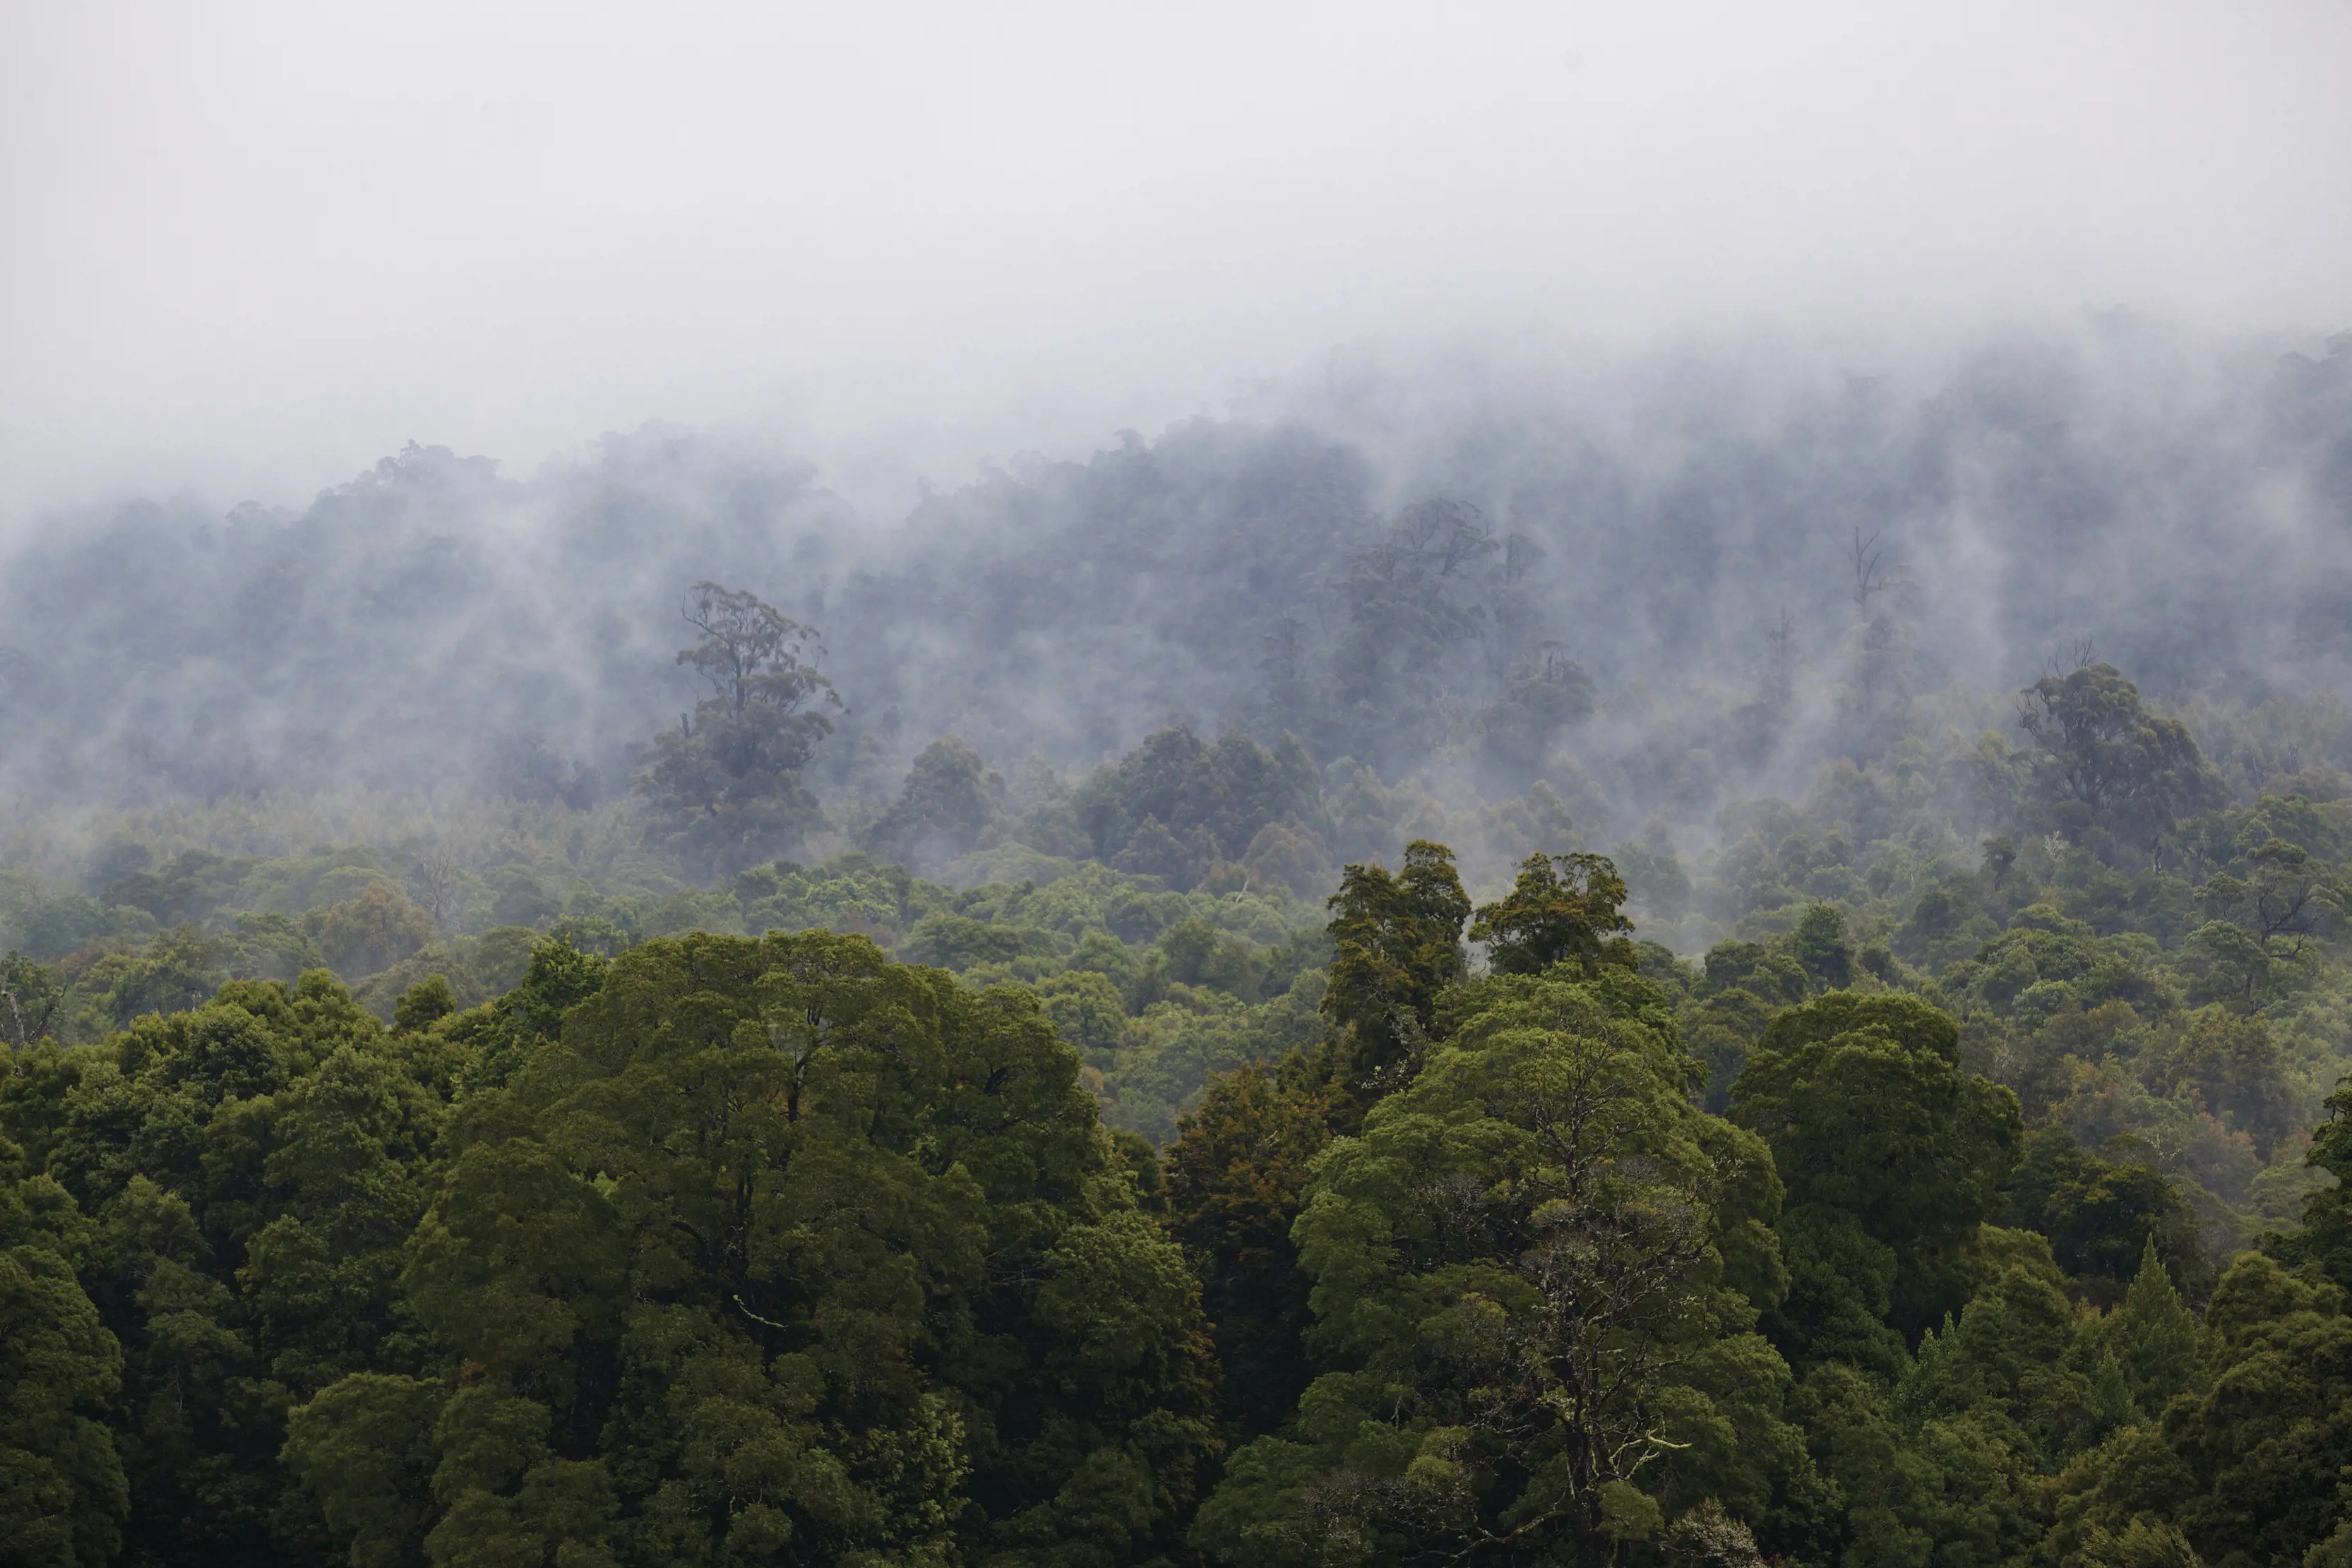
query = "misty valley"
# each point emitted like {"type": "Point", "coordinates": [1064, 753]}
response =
{"type": "Point", "coordinates": [1738, 961]}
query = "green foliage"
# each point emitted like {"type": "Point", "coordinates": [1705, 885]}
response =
{"type": "Point", "coordinates": [711, 1249]}
{"type": "Point", "coordinates": [2324, 1239]}
{"type": "Point", "coordinates": [2107, 768]}
{"type": "Point", "coordinates": [1868, 1112]}
{"type": "Point", "coordinates": [633, 1239]}
{"type": "Point", "coordinates": [949, 801]}
{"type": "Point", "coordinates": [423, 1004]}
{"type": "Point", "coordinates": [1179, 1042]}
{"type": "Point", "coordinates": [725, 786]}
{"type": "Point", "coordinates": [252, 1169]}
{"type": "Point", "coordinates": [1397, 942]}
{"type": "Point", "coordinates": [1767, 973]}
{"type": "Point", "coordinates": [2102, 1212]}
{"type": "Point", "coordinates": [2154, 1337]}
{"type": "Point", "coordinates": [778, 1251]}
{"type": "Point", "coordinates": [364, 1447]}
{"type": "Point", "coordinates": [29, 995]}
{"type": "Point", "coordinates": [1536, 1273]}
{"type": "Point", "coordinates": [2265, 1440]}
{"type": "Point", "coordinates": [1236, 1177]}
{"type": "Point", "coordinates": [1563, 909]}
{"type": "Point", "coordinates": [1544, 693]}
{"type": "Point", "coordinates": [61, 1485]}
{"type": "Point", "coordinates": [495, 1041]}
{"type": "Point", "coordinates": [1177, 806]}
{"type": "Point", "coordinates": [371, 933]}
{"type": "Point", "coordinates": [1818, 946]}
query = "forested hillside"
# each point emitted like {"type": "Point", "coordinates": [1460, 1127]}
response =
{"type": "Point", "coordinates": [1759, 561]}
{"type": "Point", "coordinates": [1721, 966]}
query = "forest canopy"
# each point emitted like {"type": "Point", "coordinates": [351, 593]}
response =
{"type": "Point", "coordinates": [1566, 991]}
{"type": "Point", "coordinates": [779, 1250]}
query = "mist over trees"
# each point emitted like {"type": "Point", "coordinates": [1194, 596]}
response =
{"type": "Point", "coordinates": [1728, 964]}
{"type": "Point", "coordinates": [725, 787]}
{"type": "Point", "coordinates": [1657, 573]}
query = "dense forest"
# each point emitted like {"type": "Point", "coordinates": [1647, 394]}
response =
{"type": "Point", "coordinates": [1733, 964]}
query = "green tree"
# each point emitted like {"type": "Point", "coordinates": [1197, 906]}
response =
{"type": "Point", "coordinates": [1953, 1458]}
{"type": "Point", "coordinates": [1545, 692]}
{"type": "Point", "coordinates": [1868, 1112]}
{"type": "Point", "coordinates": [1719, 1032]}
{"type": "Point", "coordinates": [178, 970]}
{"type": "Point", "coordinates": [364, 1447]}
{"type": "Point", "coordinates": [2106, 770]}
{"type": "Point", "coordinates": [497, 1040]}
{"type": "Point", "coordinates": [1089, 1012]}
{"type": "Point", "coordinates": [2228, 1063]}
{"type": "Point", "coordinates": [1396, 942]}
{"type": "Point", "coordinates": [29, 995]}
{"type": "Point", "coordinates": [1765, 972]}
{"type": "Point", "coordinates": [424, 1004]}
{"type": "Point", "coordinates": [62, 1487]}
{"type": "Point", "coordinates": [1236, 1176]}
{"type": "Point", "coordinates": [2267, 1440]}
{"type": "Point", "coordinates": [725, 787]}
{"type": "Point", "coordinates": [949, 800]}
{"type": "Point", "coordinates": [2102, 1211]}
{"type": "Point", "coordinates": [254, 1168]}
{"type": "Point", "coordinates": [1563, 909]}
{"type": "Point", "coordinates": [1176, 804]}
{"type": "Point", "coordinates": [371, 933]}
{"type": "Point", "coordinates": [780, 1253]}
{"type": "Point", "coordinates": [2017, 1362]}
{"type": "Point", "coordinates": [2153, 1335]}
{"type": "Point", "coordinates": [2324, 1242]}
{"type": "Point", "coordinates": [1819, 945]}
{"type": "Point", "coordinates": [1535, 1275]}
{"type": "Point", "coordinates": [2140, 1544]}
{"type": "Point", "coordinates": [2286, 894]}
{"type": "Point", "coordinates": [1409, 599]}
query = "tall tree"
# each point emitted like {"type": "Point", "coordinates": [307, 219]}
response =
{"type": "Point", "coordinates": [1236, 1176]}
{"type": "Point", "coordinates": [2324, 1240]}
{"type": "Point", "coordinates": [1397, 942]}
{"type": "Point", "coordinates": [2107, 771]}
{"type": "Point", "coordinates": [1537, 1271]}
{"type": "Point", "coordinates": [252, 1169]}
{"type": "Point", "coordinates": [1544, 691]}
{"type": "Point", "coordinates": [784, 1253]}
{"type": "Point", "coordinates": [1411, 604]}
{"type": "Point", "coordinates": [2268, 1437]}
{"type": "Point", "coordinates": [725, 786]}
{"type": "Point", "coordinates": [29, 995]}
{"type": "Point", "coordinates": [1563, 909]}
{"type": "Point", "coordinates": [1869, 1115]}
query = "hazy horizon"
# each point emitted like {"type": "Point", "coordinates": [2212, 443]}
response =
{"type": "Point", "coordinates": [256, 247]}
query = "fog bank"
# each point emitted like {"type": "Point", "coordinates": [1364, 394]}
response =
{"type": "Point", "coordinates": [255, 246]}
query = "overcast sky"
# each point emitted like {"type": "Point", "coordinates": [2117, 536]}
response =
{"type": "Point", "coordinates": [251, 248]}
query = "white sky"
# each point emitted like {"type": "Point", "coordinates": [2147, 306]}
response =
{"type": "Point", "coordinates": [251, 248]}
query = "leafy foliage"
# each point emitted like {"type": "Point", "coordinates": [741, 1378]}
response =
{"type": "Point", "coordinates": [1537, 1270]}
{"type": "Point", "coordinates": [1868, 1114]}
{"type": "Point", "coordinates": [1564, 909]}
{"type": "Point", "coordinates": [2106, 766]}
{"type": "Point", "coordinates": [725, 1249]}
{"type": "Point", "coordinates": [1236, 1179]}
{"type": "Point", "coordinates": [726, 783]}
{"type": "Point", "coordinates": [1397, 944]}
